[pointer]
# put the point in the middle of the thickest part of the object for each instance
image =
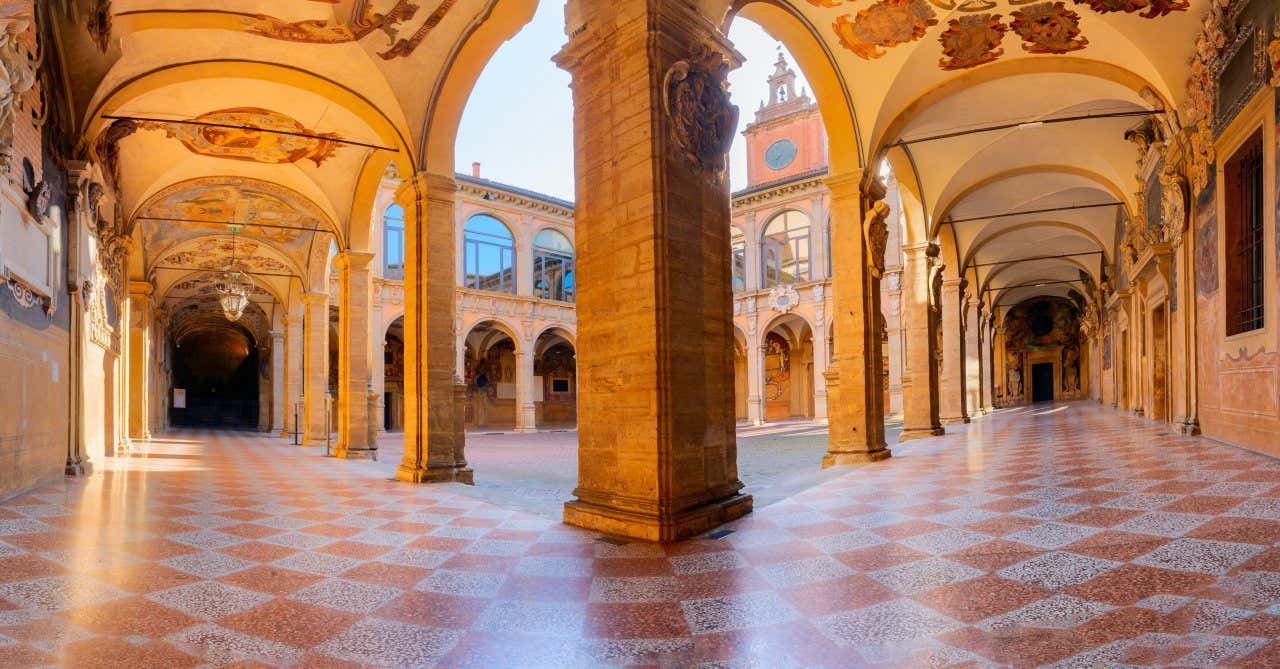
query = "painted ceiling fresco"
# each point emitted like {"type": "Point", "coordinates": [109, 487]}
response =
{"type": "Point", "coordinates": [202, 286]}
{"type": "Point", "coordinates": [213, 253]}
{"type": "Point", "coordinates": [234, 133]}
{"type": "Point", "coordinates": [196, 314]}
{"type": "Point", "coordinates": [405, 24]}
{"type": "Point", "coordinates": [266, 212]}
{"type": "Point", "coordinates": [976, 36]}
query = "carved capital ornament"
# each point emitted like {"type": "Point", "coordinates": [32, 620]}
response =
{"type": "Point", "coordinates": [700, 117]}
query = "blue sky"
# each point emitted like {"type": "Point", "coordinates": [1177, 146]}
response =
{"type": "Point", "coordinates": [519, 120]}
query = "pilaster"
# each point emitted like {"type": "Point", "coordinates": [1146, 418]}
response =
{"type": "Point", "coordinates": [526, 415]}
{"type": "Point", "coordinates": [434, 442]}
{"type": "Point", "coordinates": [953, 390]}
{"type": "Point", "coordinates": [138, 359]}
{"type": "Point", "coordinates": [277, 382]}
{"type": "Point", "coordinates": [315, 383]}
{"type": "Point", "coordinates": [292, 392]}
{"type": "Point", "coordinates": [356, 296]}
{"type": "Point", "coordinates": [920, 363]}
{"type": "Point", "coordinates": [855, 385]}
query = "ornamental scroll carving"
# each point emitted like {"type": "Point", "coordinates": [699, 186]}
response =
{"type": "Point", "coordinates": [702, 120]}
{"type": "Point", "coordinates": [1173, 204]}
{"type": "Point", "coordinates": [18, 74]}
{"type": "Point", "coordinates": [1202, 91]}
{"type": "Point", "coordinates": [875, 232]}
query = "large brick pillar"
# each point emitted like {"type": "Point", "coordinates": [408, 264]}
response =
{"type": "Point", "coordinates": [433, 436]}
{"type": "Point", "coordinates": [355, 292]}
{"type": "Point", "coordinates": [138, 359]}
{"type": "Point", "coordinates": [920, 363]}
{"type": "Point", "coordinates": [656, 429]}
{"type": "Point", "coordinates": [855, 378]}
{"type": "Point", "coordinates": [953, 393]}
{"type": "Point", "coordinates": [315, 383]}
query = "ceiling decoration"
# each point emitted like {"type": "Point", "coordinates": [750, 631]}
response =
{"type": "Point", "coordinates": [234, 133]}
{"type": "Point", "coordinates": [975, 38]}
{"type": "Point", "coordinates": [202, 287]}
{"type": "Point", "coordinates": [211, 253]}
{"type": "Point", "coordinates": [971, 40]}
{"type": "Point", "coordinates": [402, 21]}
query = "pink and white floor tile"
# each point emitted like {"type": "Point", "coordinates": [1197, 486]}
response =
{"type": "Point", "coordinates": [1074, 537]}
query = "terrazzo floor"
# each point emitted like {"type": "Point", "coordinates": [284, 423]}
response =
{"type": "Point", "coordinates": [1066, 535]}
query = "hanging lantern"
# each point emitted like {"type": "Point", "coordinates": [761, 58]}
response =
{"type": "Point", "coordinates": [234, 285]}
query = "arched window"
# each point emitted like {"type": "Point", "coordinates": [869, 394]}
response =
{"type": "Point", "coordinates": [785, 249]}
{"type": "Point", "coordinates": [393, 242]}
{"type": "Point", "coordinates": [489, 253]}
{"type": "Point", "coordinates": [738, 248]}
{"type": "Point", "coordinates": [553, 266]}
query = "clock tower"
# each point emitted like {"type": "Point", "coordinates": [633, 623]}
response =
{"type": "Point", "coordinates": [786, 138]}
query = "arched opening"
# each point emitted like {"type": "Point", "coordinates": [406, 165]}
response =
{"type": "Point", "coordinates": [553, 266]}
{"type": "Point", "coordinates": [489, 255]}
{"type": "Point", "coordinates": [788, 370]}
{"type": "Point", "coordinates": [785, 248]}
{"type": "Point", "coordinates": [217, 372]}
{"type": "Point", "coordinates": [555, 381]}
{"type": "Point", "coordinates": [393, 377]}
{"type": "Point", "coordinates": [490, 378]}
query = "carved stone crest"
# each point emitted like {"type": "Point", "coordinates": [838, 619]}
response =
{"type": "Point", "coordinates": [1273, 54]}
{"type": "Point", "coordinates": [887, 23]}
{"type": "Point", "coordinates": [18, 70]}
{"type": "Point", "coordinates": [1173, 205]}
{"type": "Point", "coordinates": [701, 117]}
{"type": "Point", "coordinates": [971, 40]}
{"type": "Point", "coordinates": [875, 233]}
{"type": "Point", "coordinates": [1155, 8]}
{"type": "Point", "coordinates": [1048, 27]}
{"type": "Point", "coordinates": [783, 298]}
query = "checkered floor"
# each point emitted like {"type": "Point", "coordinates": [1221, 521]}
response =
{"type": "Point", "coordinates": [1069, 535]}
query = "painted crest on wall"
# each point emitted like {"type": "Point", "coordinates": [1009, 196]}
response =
{"type": "Point", "coordinates": [231, 133]}
{"type": "Point", "coordinates": [971, 40]}
{"type": "Point", "coordinates": [1048, 27]}
{"type": "Point", "coordinates": [887, 23]}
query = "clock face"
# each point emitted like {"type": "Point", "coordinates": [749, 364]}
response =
{"type": "Point", "coordinates": [780, 154]}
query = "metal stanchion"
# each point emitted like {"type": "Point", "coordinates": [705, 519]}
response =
{"type": "Point", "coordinates": [328, 401]}
{"type": "Point", "coordinates": [297, 425]}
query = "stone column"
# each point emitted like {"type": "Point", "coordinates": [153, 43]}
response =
{"type": "Point", "coordinates": [755, 382]}
{"type": "Point", "coordinates": [656, 430]}
{"type": "Point", "coordinates": [315, 383]}
{"type": "Point", "coordinates": [752, 266]}
{"type": "Point", "coordinates": [526, 414]}
{"type": "Point", "coordinates": [1188, 391]}
{"type": "Point", "coordinates": [264, 388]}
{"type": "Point", "coordinates": [855, 385]}
{"type": "Point", "coordinates": [376, 358]}
{"type": "Point", "coordinates": [953, 391]}
{"type": "Point", "coordinates": [138, 360]}
{"type": "Point", "coordinates": [278, 403]}
{"type": "Point", "coordinates": [820, 359]}
{"type": "Point", "coordinates": [292, 390]}
{"type": "Point", "coordinates": [893, 326]}
{"type": "Point", "coordinates": [355, 291]}
{"type": "Point", "coordinates": [919, 374]}
{"type": "Point", "coordinates": [434, 441]}
{"type": "Point", "coordinates": [972, 358]}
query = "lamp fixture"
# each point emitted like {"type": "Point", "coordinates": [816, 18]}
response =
{"type": "Point", "coordinates": [234, 285]}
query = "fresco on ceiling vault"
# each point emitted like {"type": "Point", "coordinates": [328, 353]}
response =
{"type": "Point", "coordinates": [974, 37]}
{"type": "Point", "coordinates": [403, 23]}
{"type": "Point", "coordinates": [238, 134]}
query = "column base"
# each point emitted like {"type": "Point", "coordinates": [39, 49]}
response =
{"type": "Point", "coordinates": [436, 474]}
{"type": "Point", "coordinates": [1188, 427]}
{"type": "Point", "coordinates": [78, 467]}
{"type": "Point", "coordinates": [920, 433]}
{"type": "Point", "coordinates": [954, 420]}
{"type": "Point", "coordinates": [355, 453]}
{"type": "Point", "coordinates": [855, 458]}
{"type": "Point", "coordinates": [664, 527]}
{"type": "Point", "coordinates": [525, 430]}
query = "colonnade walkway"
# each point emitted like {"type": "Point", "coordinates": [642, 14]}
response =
{"type": "Point", "coordinates": [1066, 533]}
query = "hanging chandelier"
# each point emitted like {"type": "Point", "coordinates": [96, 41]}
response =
{"type": "Point", "coordinates": [234, 285]}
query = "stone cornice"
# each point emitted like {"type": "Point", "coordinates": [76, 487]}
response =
{"type": "Point", "coordinates": [808, 181]}
{"type": "Point", "coordinates": [494, 192]}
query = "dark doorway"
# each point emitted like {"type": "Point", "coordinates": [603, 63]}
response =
{"type": "Point", "coordinates": [218, 367]}
{"type": "Point", "coordinates": [1042, 382]}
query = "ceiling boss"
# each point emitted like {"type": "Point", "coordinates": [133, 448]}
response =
{"type": "Point", "coordinates": [974, 38]}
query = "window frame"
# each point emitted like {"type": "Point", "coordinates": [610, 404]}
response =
{"type": "Point", "coordinates": [567, 291]}
{"type": "Point", "coordinates": [392, 270]}
{"type": "Point", "coordinates": [771, 260]}
{"type": "Point", "coordinates": [472, 247]}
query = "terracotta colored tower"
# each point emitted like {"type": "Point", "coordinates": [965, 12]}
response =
{"type": "Point", "coordinates": [786, 139]}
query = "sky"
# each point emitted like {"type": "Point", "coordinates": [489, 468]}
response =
{"type": "Point", "coordinates": [519, 120]}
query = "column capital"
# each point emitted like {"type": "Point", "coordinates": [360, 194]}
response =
{"type": "Point", "coordinates": [311, 299]}
{"type": "Point", "coordinates": [922, 249]}
{"type": "Point", "coordinates": [845, 184]}
{"type": "Point", "coordinates": [141, 288]}
{"type": "Point", "coordinates": [426, 185]}
{"type": "Point", "coordinates": [277, 334]}
{"type": "Point", "coordinates": [352, 260]}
